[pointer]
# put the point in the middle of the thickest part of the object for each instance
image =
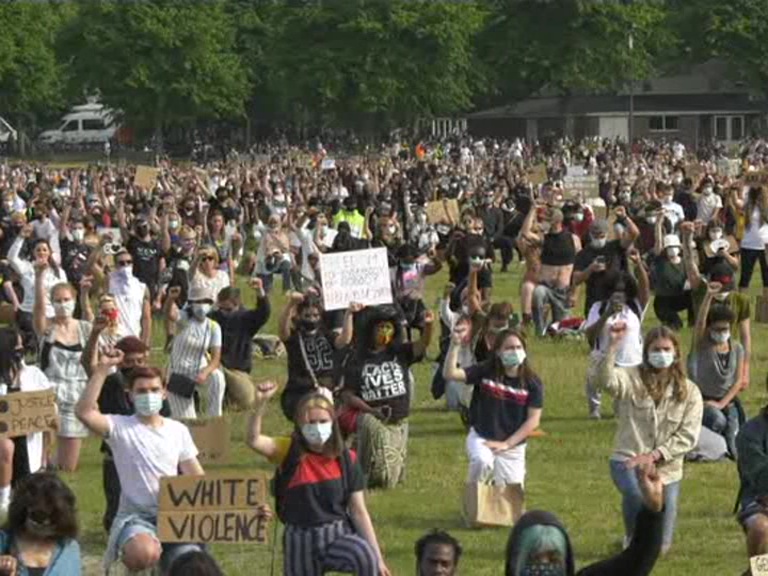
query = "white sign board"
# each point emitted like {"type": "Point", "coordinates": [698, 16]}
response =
{"type": "Point", "coordinates": [360, 276]}
{"type": "Point", "coordinates": [586, 184]}
{"type": "Point", "coordinates": [759, 565]}
{"type": "Point", "coordinates": [328, 164]}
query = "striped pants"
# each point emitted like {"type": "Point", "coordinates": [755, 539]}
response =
{"type": "Point", "coordinates": [330, 547]}
{"type": "Point", "coordinates": [185, 407]}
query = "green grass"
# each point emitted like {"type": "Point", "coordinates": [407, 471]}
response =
{"type": "Point", "coordinates": [567, 473]}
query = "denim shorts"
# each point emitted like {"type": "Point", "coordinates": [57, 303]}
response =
{"type": "Point", "coordinates": [170, 551]}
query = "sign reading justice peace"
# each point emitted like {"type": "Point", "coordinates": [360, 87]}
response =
{"type": "Point", "coordinates": [23, 413]}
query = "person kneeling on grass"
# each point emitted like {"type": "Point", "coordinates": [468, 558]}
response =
{"type": "Point", "coordinates": [539, 544]}
{"type": "Point", "coordinates": [505, 409]}
{"type": "Point", "coordinates": [318, 492]}
{"type": "Point", "coordinates": [40, 536]}
{"type": "Point", "coordinates": [145, 447]}
{"type": "Point", "coordinates": [437, 554]}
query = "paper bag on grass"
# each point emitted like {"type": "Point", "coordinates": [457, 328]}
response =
{"type": "Point", "coordinates": [490, 505]}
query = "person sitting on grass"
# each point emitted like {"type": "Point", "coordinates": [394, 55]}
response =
{"type": "Point", "coordinates": [539, 543]}
{"type": "Point", "coordinates": [715, 364]}
{"type": "Point", "coordinates": [40, 535]}
{"type": "Point", "coordinates": [319, 491]}
{"type": "Point", "coordinates": [145, 447]}
{"type": "Point", "coordinates": [752, 457]}
{"type": "Point", "coordinates": [437, 554]}
{"type": "Point", "coordinates": [195, 564]}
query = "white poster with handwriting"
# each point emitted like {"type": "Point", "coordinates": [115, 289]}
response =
{"type": "Point", "coordinates": [358, 276]}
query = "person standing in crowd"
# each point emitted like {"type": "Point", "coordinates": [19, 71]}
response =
{"type": "Point", "coordinates": [715, 365]}
{"type": "Point", "coordinates": [437, 554]}
{"type": "Point", "coordinates": [132, 299]}
{"type": "Point", "coordinates": [147, 254]}
{"type": "Point", "coordinates": [377, 394]}
{"type": "Point", "coordinates": [493, 227]}
{"type": "Point", "coordinates": [41, 252]}
{"type": "Point", "coordinates": [22, 455]}
{"type": "Point", "coordinates": [145, 447]}
{"type": "Point", "coordinates": [238, 327]}
{"type": "Point", "coordinates": [506, 407]}
{"type": "Point", "coordinates": [189, 367]}
{"type": "Point", "coordinates": [659, 420]}
{"type": "Point", "coordinates": [755, 238]}
{"type": "Point", "coordinates": [63, 339]}
{"type": "Point", "coordinates": [319, 492]}
{"type": "Point", "coordinates": [40, 535]}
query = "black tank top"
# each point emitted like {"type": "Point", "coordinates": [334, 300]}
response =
{"type": "Point", "coordinates": [558, 249]}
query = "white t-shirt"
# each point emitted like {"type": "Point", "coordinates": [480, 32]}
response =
{"type": "Point", "coordinates": [706, 207]}
{"type": "Point", "coordinates": [144, 454]}
{"type": "Point", "coordinates": [190, 344]}
{"type": "Point", "coordinates": [755, 235]}
{"type": "Point", "coordinates": [674, 212]}
{"type": "Point", "coordinates": [630, 353]}
{"type": "Point", "coordinates": [129, 300]}
{"type": "Point", "coordinates": [26, 272]}
{"type": "Point", "coordinates": [32, 379]}
{"type": "Point", "coordinates": [211, 285]}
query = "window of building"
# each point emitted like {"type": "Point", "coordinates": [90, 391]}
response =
{"type": "Point", "coordinates": [664, 123]}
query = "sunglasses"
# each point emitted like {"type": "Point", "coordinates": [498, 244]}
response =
{"type": "Point", "coordinates": [207, 258]}
{"type": "Point", "coordinates": [124, 263]}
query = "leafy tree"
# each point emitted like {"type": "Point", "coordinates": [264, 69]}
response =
{"type": "Point", "coordinates": [160, 62]}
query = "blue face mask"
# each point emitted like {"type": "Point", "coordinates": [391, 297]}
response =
{"type": "Point", "coordinates": [318, 433]}
{"type": "Point", "coordinates": [148, 403]}
{"type": "Point", "coordinates": [512, 358]}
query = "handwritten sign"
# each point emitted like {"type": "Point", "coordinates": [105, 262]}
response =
{"type": "Point", "coordinates": [578, 181]}
{"type": "Point", "coordinates": [759, 565]}
{"type": "Point", "coordinates": [23, 413]}
{"type": "Point", "coordinates": [212, 508]}
{"type": "Point", "coordinates": [443, 212]}
{"type": "Point", "coordinates": [357, 276]}
{"type": "Point", "coordinates": [145, 176]}
{"type": "Point", "coordinates": [211, 436]}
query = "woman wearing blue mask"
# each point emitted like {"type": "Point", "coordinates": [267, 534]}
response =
{"type": "Point", "coordinates": [505, 409]}
{"type": "Point", "coordinates": [659, 415]}
{"type": "Point", "coordinates": [319, 492]}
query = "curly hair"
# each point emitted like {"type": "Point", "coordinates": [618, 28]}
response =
{"type": "Point", "coordinates": [44, 500]}
{"type": "Point", "coordinates": [656, 382]}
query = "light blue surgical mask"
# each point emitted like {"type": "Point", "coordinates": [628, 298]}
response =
{"type": "Point", "coordinates": [720, 337]}
{"type": "Point", "coordinates": [200, 311]}
{"type": "Point", "coordinates": [148, 403]}
{"type": "Point", "coordinates": [512, 358]}
{"type": "Point", "coordinates": [661, 359]}
{"type": "Point", "coordinates": [317, 433]}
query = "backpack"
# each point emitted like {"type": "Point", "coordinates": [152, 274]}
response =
{"type": "Point", "coordinates": [287, 470]}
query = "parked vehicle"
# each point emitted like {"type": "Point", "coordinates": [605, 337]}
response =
{"type": "Point", "coordinates": [90, 123]}
{"type": "Point", "coordinates": [8, 134]}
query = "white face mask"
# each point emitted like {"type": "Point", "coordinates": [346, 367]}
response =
{"type": "Point", "coordinates": [722, 296]}
{"type": "Point", "coordinates": [715, 234]}
{"type": "Point", "coordinates": [200, 311]}
{"type": "Point", "coordinates": [720, 337]}
{"type": "Point", "coordinates": [392, 230]}
{"type": "Point", "coordinates": [318, 433]}
{"type": "Point", "coordinates": [661, 359]}
{"type": "Point", "coordinates": [673, 252]}
{"type": "Point", "coordinates": [651, 219]}
{"type": "Point", "coordinates": [173, 224]}
{"type": "Point", "coordinates": [78, 234]}
{"type": "Point", "coordinates": [124, 273]}
{"type": "Point", "coordinates": [707, 191]}
{"type": "Point", "coordinates": [64, 309]}
{"type": "Point", "coordinates": [578, 217]}
{"type": "Point", "coordinates": [598, 242]}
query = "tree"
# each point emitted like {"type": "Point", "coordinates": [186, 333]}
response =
{"type": "Point", "coordinates": [162, 63]}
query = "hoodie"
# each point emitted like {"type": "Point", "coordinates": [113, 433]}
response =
{"type": "Point", "coordinates": [528, 520]}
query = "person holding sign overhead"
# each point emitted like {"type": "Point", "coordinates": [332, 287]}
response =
{"type": "Point", "coordinates": [319, 492]}
{"type": "Point", "coordinates": [21, 455]}
{"type": "Point", "coordinates": [145, 446]}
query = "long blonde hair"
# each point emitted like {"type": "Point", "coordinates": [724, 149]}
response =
{"type": "Point", "coordinates": [655, 383]}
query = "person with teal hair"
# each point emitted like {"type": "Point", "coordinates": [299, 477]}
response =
{"type": "Point", "coordinates": [539, 544]}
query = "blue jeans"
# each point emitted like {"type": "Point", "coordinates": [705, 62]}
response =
{"type": "Point", "coordinates": [284, 269]}
{"type": "Point", "coordinates": [724, 422]}
{"type": "Point", "coordinates": [632, 501]}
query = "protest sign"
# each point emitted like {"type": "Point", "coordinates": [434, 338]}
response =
{"type": "Point", "coordinates": [578, 181]}
{"type": "Point", "coordinates": [221, 508]}
{"type": "Point", "coordinates": [23, 413]}
{"type": "Point", "coordinates": [145, 176]}
{"type": "Point", "coordinates": [759, 565]}
{"type": "Point", "coordinates": [538, 174]}
{"type": "Point", "coordinates": [759, 178]}
{"type": "Point", "coordinates": [443, 211]}
{"type": "Point", "coordinates": [211, 436]}
{"type": "Point", "coordinates": [328, 164]}
{"type": "Point", "coordinates": [358, 276]}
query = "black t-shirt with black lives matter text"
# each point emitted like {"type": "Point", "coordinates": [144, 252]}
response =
{"type": "Point", "coordinates": [500, 405]}
{"type": "Point", "coordinates": [146, 260]}
{"type": "Point", "coordinates": [381, 379]}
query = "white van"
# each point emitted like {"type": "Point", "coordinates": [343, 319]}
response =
{"type": "Point", "coordinates": [7, 133]}
{"type": "Point", "coordinates": [90, 123]}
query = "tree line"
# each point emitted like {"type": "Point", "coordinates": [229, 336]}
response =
{"type": "Point", "coordinates": [367, 64]}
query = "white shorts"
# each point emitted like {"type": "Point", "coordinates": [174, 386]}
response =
{"type": "Point", "coordinates": [507, 467]}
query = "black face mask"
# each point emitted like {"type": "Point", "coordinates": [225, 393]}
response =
{"type": "Point", "coordinates": [142, 230]}
{"type": "Point", "coordinates": [309, 325]}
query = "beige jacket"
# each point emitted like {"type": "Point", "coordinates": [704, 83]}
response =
{"type": "Point", "coordinates": [672, 427]}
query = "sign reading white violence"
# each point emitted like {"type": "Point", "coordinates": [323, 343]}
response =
{"type": "Point", "coordinates": [358, 276]}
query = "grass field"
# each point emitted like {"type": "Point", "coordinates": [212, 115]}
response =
{"type": "Point", "coordinates": [567, 473]}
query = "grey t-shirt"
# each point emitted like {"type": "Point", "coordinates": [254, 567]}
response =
{"type": "Point", "coordinates": [715, 373]}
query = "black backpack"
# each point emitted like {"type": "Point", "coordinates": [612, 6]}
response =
{"type": "Point", "coordinates": [287, 470]}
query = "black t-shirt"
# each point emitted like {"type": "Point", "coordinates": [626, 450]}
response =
{"type": "Point", "coordinates": [320, 355]}
{"type": "Point", "coordinates": [381, 379]}
{"type": "Point", "coordinates": [500, 407]}
{"type": "Point", "coordinates": [74, 255]}
{"type": "Point", "coordinates": [614, 258]}
{"type": "Point", "coordinates": [146, 259]}
{"type": "Point", "coordinates": [237, 330]}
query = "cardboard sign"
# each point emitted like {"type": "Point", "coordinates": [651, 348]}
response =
{"type": "Point", "coordinates": [211, 436]}
{"type": "Point", "coordinates": [443, 211]}
{"type": "Point", "coordinates": [145, 176]}
{"type": "Point", "coordinates": [219, 508]}
{"type": "Point", "coordinates": [759, 565]}
{"type": "Point", "coordinates": [538, 174]}
{"type": "Point", "coordinates": [358, 276]}
{"type": "Point", "coordinates": [23, 413]}
{"type": "Point", "coordinates": [580, 182]}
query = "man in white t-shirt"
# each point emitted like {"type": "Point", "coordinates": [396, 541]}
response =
{"type": "Point", "coordinates": [132, 299]}
{"type": "Point", "coordinates": [709, 204]}
{"type": "Point", "coordinates": [145, 447]}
